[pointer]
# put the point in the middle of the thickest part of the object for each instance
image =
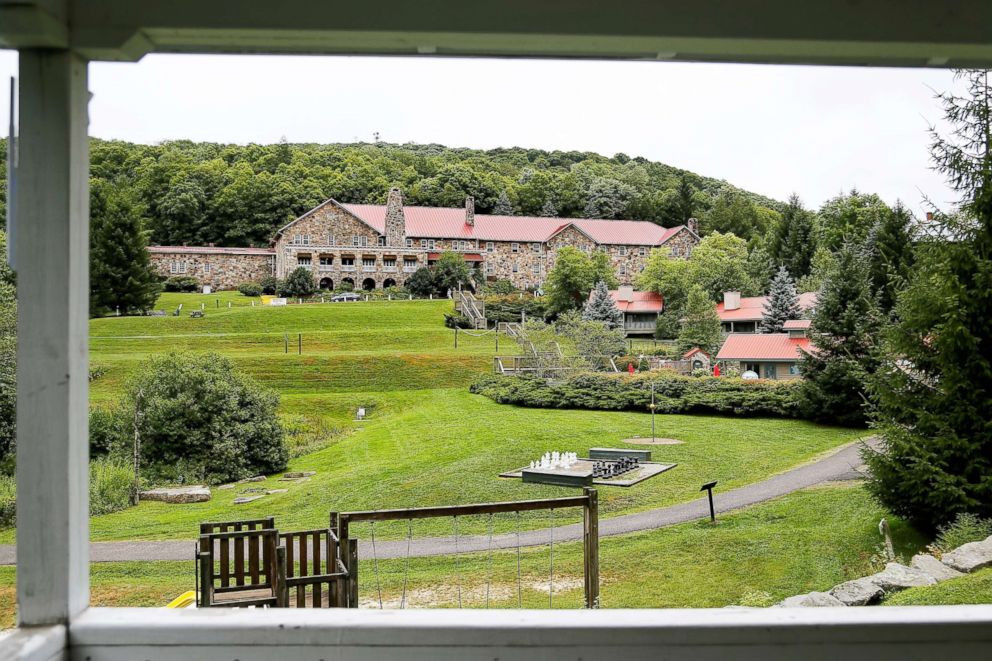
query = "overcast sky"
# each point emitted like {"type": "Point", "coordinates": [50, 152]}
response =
{"type": "Point", "coordinates": [816, 131]}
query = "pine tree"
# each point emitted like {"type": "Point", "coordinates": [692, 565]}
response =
{"type": "Point", "coordinates": [549, 210]}
{"type": "Point", "coordinates": [121, 275]}
{"type": "Point", "coordinates": [844, 332]}
{"type": "Point", "coordinates": [601, 307]}
{"type": "Point", "coordinates": [936, 376]}
{"type": "Point", "coordinates": [782, 304]}
{"type": "Point", "coordinates": [685, 202]}
{"type": "Point", "coordinates": [700, 324]}
{"type": "Point", "coordinates": [793, 243]}
{"type": "Point", "coordinates": [890, 253]}
{"type": "Point", "coordinates": [503, 206]}
{"type": "Point", "coordinates": [760, 268]}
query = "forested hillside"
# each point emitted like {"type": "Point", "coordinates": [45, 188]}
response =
{"type": "Point", "coordinates": [236, 195]}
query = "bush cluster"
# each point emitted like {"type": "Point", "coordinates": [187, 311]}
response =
{"type": "Point", "coordinates": [965, 528]}
{"type": "Point", "coordinates": [456, 320]}
{"type": "Point", "coordinates": [182, 283]}
{"type": "Point", "coordinates": [111, 482]}
{"type": "Point", "coordinates": [252, 289]}
{"type": "Point", "coordinates": [621, 392]}
{"type": "Point", "coordinates": [8, 501]}
{"type": "Point", "coordinates": [509, 307]}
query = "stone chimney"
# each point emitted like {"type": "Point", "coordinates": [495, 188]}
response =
{"type": "Point", "coordinates": [470, 211]}
{"type": "Point", "coordinates": [693, 225]}
{"type": "Point", "coordinates": [395, 221]}
{"type": "Point", "coordinates": [731, 300]}
{"type": "Point", "coordinates": [625, 293]}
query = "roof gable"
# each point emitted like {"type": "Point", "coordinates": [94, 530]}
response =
{"type": "Point", "coordinates": [381, 229]}
{"type": "Point", "coordinates": [763, 346]}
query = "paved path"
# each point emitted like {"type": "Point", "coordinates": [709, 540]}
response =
{"type": "Point", "coordinates": [844, 464]}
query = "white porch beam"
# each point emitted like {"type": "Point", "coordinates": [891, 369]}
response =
{"type": "Point", "coordinates": [52, 248]}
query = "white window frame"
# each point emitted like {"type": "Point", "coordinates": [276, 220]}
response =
{"type": "Point", "coordinates": [514, 248]}
{"type": "Point", "coordinates": [622, 250]}
{"type": "Point", "coordinates": [53, 577]}
{"type": "Point", "coordinates": [206, 267]}
{"type": "Point", "coordinates": [174, 266]}
{"type": "Point", "coordinates": [490, 246]}
{"type": "Point", "coordinates": [381, 241]}
{"type": "Point", "coordinates": [431, 244]}
{"type": "Point", "coordinates": [642, 251]}
{"type": "Point", "coordinates": [535, 246]}
{"type": "Point", "coordinates": [423, 244]}
{"type": "Point", "coordinates": [409, 243]}
{"type": "Point", "coordinates": [304, 260]}
{"type": "Point", "coordinates": [516, 267]}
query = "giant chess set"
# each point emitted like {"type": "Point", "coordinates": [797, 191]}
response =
{"type": "Point", "coordinates": [606, 466]}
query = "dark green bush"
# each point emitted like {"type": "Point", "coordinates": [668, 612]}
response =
{"type": "Point", "coordinates": [269, 285]}
{"type": "Point", "coordinates": [298, 284]}
{"type": "Point", "coordinates": [109, 431]}
{"type": "Point", "coordinates": [510, 307]}
{"type": "Point", "coordinates": [8, 501]}
{"type": "Point", "coordinates": [623, 392]}
{"type": "Point", "coordinates": [250, 289]}
{"type": "Point", "coordinates": [182, 283]}
{"type": "Point", "coordinates": [456, 320]}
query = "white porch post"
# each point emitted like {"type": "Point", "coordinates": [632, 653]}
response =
{"type": "Point", "coordinates": [52, 252]}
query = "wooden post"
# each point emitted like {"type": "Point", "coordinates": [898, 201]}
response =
{"type": "Point", "coordinates": [285, 341]}
{"type": "Point", "coordinates": [50, 246]}
{"type": "Point", "coordinates": [353, 573]}
{"type": "Point", "coordinates": [206, 579]}
{"type": "Point", "coordinates": [590, 547]}
{"type": "Point", "coordinates": [279, 580]}
{"type": "Point", "coordinates": [456, 337]}
{"type": "Point", "coordinates": [299, 341]}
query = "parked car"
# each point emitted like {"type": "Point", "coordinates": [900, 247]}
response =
{"type": "Point", "coordinates": [345, 297]}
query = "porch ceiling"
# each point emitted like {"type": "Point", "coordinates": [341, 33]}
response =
{"type": "Point", "coordinates": [852, 32]}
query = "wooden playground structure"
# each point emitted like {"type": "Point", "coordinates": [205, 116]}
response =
{"type": "Point", "coordinates": [251, 564]}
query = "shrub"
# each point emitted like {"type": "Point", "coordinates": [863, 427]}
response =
{"type": "Point", "coordinates": [344, 288]}
{"type": "Point", "coordinates": [8, 501]}
{"type": "Point", "coordinates": [499, 288]}
{"type": "Point", "coordinates": [456, 320]}
{"type": "Point", "coordinates": [200, 420]}
{"type": "Point", "coordinates": [965, 527]}
{"type": "Point", "coordinates": [298, 284]}
{"type": "Point", "coordinates": [250, 289]}
{"type": "Point", "coordinates": [396, 292]}
{"type": "Point", "coordinates": [421, 282]}
{"type": "Point", "coordinates": [510, 307]}
{"type": "Point", "coordinates": [109, 432]}
{"type": "Point", "coordinates": [269, 285]}
{"type": "Point", "coordinates": [182, 283]}
{"type": "Point", "coordinates": [621, 392]}
{"type": "Point", "coordinates": [111, 482]}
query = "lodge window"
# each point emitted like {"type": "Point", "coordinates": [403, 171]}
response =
{"type": "Point", "coordinates": [360, 241]}
{"type": "Point", "coordinates": [382, 240]}
{"type": "Point", "coordinates": [409, 243]}
{"type": "Point", "coordinates": [535, 247]}
{"type": "Point", "coordinates": [516, 268]}
{"type": "Point", "coordinates": [622, 250]}
{"type": "Point", "coordinates": [423, 243]}
{"type": "Point", "coordinates": [536, 268]}
{"type": "Point", "coordinates": [389, 262]}
{"type": "Point", "coordinates": [330, 239]}
{"type": "Point", "coordinates": [368, 261]}
{"type": "Point", "coordinates": [623, 269]}
{"type": "Point", "coordinates": [303, 261]}
{"type": "Point", "coordinates": [514, 247]}
{"type": "Point", "coordinates": [326, 261]}
{"type": "Point", "coordinates": [206, 268]}
{"type": "Point", "coordinates": [490, 246]}
{"type": "Point", "coordinates": [793, 369]}
{"type": "Point", "coordinates": [604, 249]}
{"type": "Point", "coordinates": [347, 261]}
{"type": "Point", "coordinates": [431, 244]}
{"type": "Point", "coordinates": [490, 267]}
{"type": "Point", "coordinates": [177, 267]}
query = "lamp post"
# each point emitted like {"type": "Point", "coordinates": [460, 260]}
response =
{"type": "Point", "coordinates": [708, 487]}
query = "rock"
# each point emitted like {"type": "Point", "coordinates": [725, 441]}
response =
{"type": "Point", "coordinates": [246, 499]}
{"type": "Point", "coordinates": [970, 557]}
{"type": "Point", "coordinates": [298, 474]}
{"type": "Point", "coordinates": [810, 600]}
{"type": "Point", "coordinates": [228, 486]}
{"type": "Point", "coordinates": [181, 495]}
{"type": "Point", "coordinates": [896, 577]}
{"type": "Point", "coordinates": [934, 567]}
{"type": "Point", "coordinates": [257, 478]}
{"type": "Point", "coordinates": [859, 592]}
{"type": "Point", "coordinates": [272, 491]}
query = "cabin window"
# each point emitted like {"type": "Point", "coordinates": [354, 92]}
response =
{"type": "Point", "coordinates": [490, 246]}
{"type": "Point", "coordinates": [516, 268]}
{"type": "Point", "coordinates": [409, 243]}
{"type": "Point", "coordinates": [535, 247]}
{"type": "Point", "coordinates": [514, 247]}
{"type": "Point", "coordinates": [622, 250]}
{"type": "Point", "coordinates": [381, 240]}
{"type": "Point", "coordinates": [536, 268]}
{"type": "Point", "coordinates": [642, 251]}
{"type": "Point", "coordinates": [206, 268]}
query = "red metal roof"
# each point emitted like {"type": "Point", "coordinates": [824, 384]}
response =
{"type": "Point", "coordinates": [797, 324]}
{"type": "Point", "coordinates": [692, 352]}
{"type": "Point", "coordinates": [752, 307]}
{"type": "Point", "coordinates": [763, 346]}
{"type": "Point", "coordinates": [449, 223]}
{"type": "Point", "coordinates": [210, 250]}
{"type": "Point", "coordinates": [643, 301]}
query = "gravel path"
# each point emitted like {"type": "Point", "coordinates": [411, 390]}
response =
{"type": "Point", "coordinates": [844, 464]}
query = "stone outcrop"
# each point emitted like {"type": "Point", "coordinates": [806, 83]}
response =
{"type": "Point", "coordinates": [810, 600]}
{"type": "Point", "coordinates": [178, 495]}
{"type": "Point", "coordinates": [970, 557]}
{"type": "Point", "coordinates": [859, 592]}
{"type": "Point", "coordinates": [934, 567]}
{"type": "Point", "coordinates": [896, 577]}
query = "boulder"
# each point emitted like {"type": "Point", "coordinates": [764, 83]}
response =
{"type": "Point", "coordinates": [859, 592]}
{"type": "Point", "coordinates": [299, 474]}
{"type": "Point", "coordinates": [896, 577]}
{"type": "Point", "coordinates": [192, 494]}
{"type": "Point", "coordinates": [934, 567]}
{"type": "Point", "coordinates": [257, 478]}
{"type": "Point", "coordinates": [970, 557]}
{"type": "Point", "coordinates": [810, 600]}
{"type": "Point", "coordinates": [272, 491]}
{"type": "Point", "coordinates": [246, 499]}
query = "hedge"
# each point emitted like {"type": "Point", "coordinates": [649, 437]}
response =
{"type": "Point", "coordinates": [623, 392]}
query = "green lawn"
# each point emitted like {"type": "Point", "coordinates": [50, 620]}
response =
{"type": "Point", "coordinates": [809, 540]}
{"type": "Point", "coordinates": [971, 589]}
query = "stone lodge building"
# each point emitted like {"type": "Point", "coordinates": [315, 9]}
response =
{"type": "Point", "coordinates": [375, 246]}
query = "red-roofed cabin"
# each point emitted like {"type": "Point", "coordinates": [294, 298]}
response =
{"type": "Point", "coordinates": [769, 355]}
{"type": "Point", "coordinates": [743, 315]}
{"type": "Point", "coordinates": [640, 309]}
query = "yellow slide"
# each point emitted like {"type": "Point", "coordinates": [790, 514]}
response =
{"type": "Point", "coordinates": [185, 600]}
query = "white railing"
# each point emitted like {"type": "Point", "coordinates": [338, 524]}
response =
{"type": "Point", "coordinates": [409, 269]}
{"type": "Point", "coordinates": [347, 267]}
{"type": "Point", "coordinates": [389, 269]}
{"type": "Point", "coordinates": [368, 269]}
{"type": "Point", "coordinates": [325, 267]}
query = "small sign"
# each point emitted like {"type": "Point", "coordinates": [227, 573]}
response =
{"type": "Point", "coordinates": [277, 301]}
{"type": "Point", "coordinates": [207, 289]}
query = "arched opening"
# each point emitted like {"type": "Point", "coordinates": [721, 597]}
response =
{"type": "Point", "coordinates": [326, 283]}
{"type": "Point", "coordinates": [388, 282]}
{"type": "Point", "coordinates": [368, 284]}
{"type": "Point", "coordinates": [349, 282]}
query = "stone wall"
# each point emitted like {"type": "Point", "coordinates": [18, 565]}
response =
{"type": "Point", "coordinates": [216, 270]}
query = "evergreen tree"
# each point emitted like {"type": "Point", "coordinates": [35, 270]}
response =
{"type": "Point", "coordinates": [503, 206]}
{"type": "Point", "coordinates": [601, 307]}
{"type": "Point", "coordinates": [782, 304]}
{"type": "Point", "coordinates": [421, 282]}
{"type": "Point", "coordinates": [844, 331]}
{"type": "Point", "coordinates": [890, 254]}
{"type": "Point", "coordinates": [933, 388]}
{"type": "Point", "coordinates": [685, 202]}
{"type": "Point", "coordinates": [823, 263]}
{"type": "Point", "coordinates": [298, 284]}
{"type": "Point", "coordinates": [793, 243]}
{"type": "Point", "coordinates": [760, 268]}
{"type": "Point", "coordinates": [121, 275]}
{"type": "Point", "coordinates": [549, 210]}
{"type": "Point", "coordinates": [700, 323]}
